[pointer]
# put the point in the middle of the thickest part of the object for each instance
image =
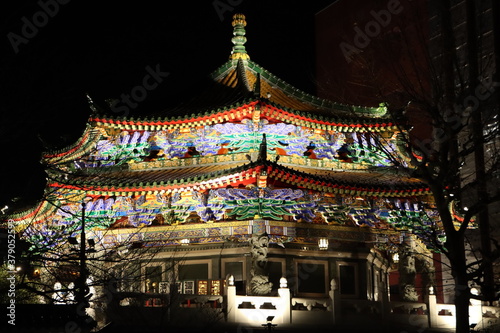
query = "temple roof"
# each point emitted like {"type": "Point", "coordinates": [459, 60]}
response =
{"type": "Point", "coordinates": [266, 85]}
{"type": "Point", "coordinates": [244, 109]}
{"type": "Point", "coordinates": [240, 79]}
{"type": "Point", "coordinates": [234, 92]}
{"type": "Point", "coordinates": [374, 184]}
{"type": "Point", "coordinates": [239, 92]}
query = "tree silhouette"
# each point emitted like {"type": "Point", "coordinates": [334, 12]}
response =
{"type": "Point", "coordinates": [439, 87]}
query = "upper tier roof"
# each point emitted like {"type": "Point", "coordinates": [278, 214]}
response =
{"type": "Point", "coordinates": [264, 85]}
{"type": "Point", "coordinates": [115, 181]}
{"type": "Point", "coordinates": [244, 75]}
{"type": "Point", "coordinates": [227, 95]}
{"type": "Point", "coordinates": [232, 93]}
{"type": "Point", "coordinates": [240, 80]}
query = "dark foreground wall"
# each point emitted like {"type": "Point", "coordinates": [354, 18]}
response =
{"type": "Point", "coordinates": [41, 318]}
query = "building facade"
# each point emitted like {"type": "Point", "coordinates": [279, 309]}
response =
{"type": "Point", "coordinates": [254, 199]}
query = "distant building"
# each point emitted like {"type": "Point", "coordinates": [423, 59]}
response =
{"type": "Point", "coordinates": [384, 49]}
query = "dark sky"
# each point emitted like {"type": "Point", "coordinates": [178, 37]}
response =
{"type": "Point", "coordinates": [82, 47]}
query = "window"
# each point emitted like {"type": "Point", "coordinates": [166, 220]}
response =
{"type": "Point", "coordinates": [153, 279]}
{"type": "Point", "coordinates": [348, 279]}
{"type": "Point", "coordinates": [275, 269]}
{"type": "Point", "coordinates": [193, 271]}
{"type": "Point", "coordinates": [236, 268]}
{"type": "Point", "coordinates": [312, 277]}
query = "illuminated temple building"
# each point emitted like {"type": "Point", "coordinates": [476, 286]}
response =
{"type": "Point", "coordinates": [271, 203]}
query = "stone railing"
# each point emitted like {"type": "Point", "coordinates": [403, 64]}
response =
{"type": "Point", "coordinates": [442, 316]}
{"type": "Point", "coordinates": [490, 316]}
{"type": "Point", "coordinates": [255, 310]}
{"type": "Point", "coordinates": [325, 163]}
{"type": "Point", "coordinates": [285, 310]}
{"type": "Point", "coordinates": [310, 304]}
{"type": "Point", "coordinates": [189, 162]}
{"type": "Point", "coordinates": [361, 307]}
{"type": "Point", "coordinates": [193, 301]}
{"type": "Point", "coordinates": [408, 308]}
{"type": "Point", "coordinates": [291, 160]}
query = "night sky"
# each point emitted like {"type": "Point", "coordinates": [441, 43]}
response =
{"type": "Point", "coordinates": [81, 47]}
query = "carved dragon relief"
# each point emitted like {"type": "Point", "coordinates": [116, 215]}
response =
{"type": "Point", "coordinates": [259, 283]}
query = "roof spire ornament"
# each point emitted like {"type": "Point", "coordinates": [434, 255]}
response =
{"type": "Point", "coordinates": [239, 38]}
{"type": "Point", "coordinates": [91, 104]}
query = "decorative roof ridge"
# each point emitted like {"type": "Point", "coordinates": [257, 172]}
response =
{"type": "Point", "coordinates": [89, 185]}
{"type": "Point", "coordinates": [223, 69]}
{"type": "Point", "coordinates": [272, 168]}
{"type": "Point", "coordinates": [322, 178]}
{"type": "Point", "coordinates": [310, 114]}
{"type": "Point", "coordinates": [151, 121]}
{"type": "Point", "coordinates": [349, 110]}
{"type": "Point", "coordinates": [39, 207]}
{"type": "Point", "coordinates": [24, 212]}
{"type": "Point", "coordinates": [242, 75]}
{"type": "Point", "coordinates": [89, 171]}
{"type": "Point", "coordinates": [378, 112]}
{"type": "Point", "coordinates": [181, 118]}
{"type": "Point", "coordinates": [275, 165]}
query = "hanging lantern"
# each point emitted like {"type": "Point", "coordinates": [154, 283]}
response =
{"type": "Point", "coordinates": [395, 258]}
{"type": "Point", "coordinates": [323, 244]}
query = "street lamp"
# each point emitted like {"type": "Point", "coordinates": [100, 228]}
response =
{"type": "Point", "coordinates": [82, 294]}
{"type": "Point", "coordinates": [81, 283]}
{"type": "Point", "coordinates": [269, 324]}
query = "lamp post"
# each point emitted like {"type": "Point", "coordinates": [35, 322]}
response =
{"type": "Point", "coordinates": [269, 325]}
{"type": "Point", "coordinates": [81, 282]}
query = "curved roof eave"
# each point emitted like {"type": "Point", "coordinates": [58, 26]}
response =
{"type": "Point", "coordinates": [291, 91]}
{"type": "Point", "coordinates": [127, 185]}
{"type": "Point", "coordinates": [83, 145]}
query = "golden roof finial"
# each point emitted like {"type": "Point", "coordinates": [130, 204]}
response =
{"type": "Point", "coordinates": [239, 38]}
